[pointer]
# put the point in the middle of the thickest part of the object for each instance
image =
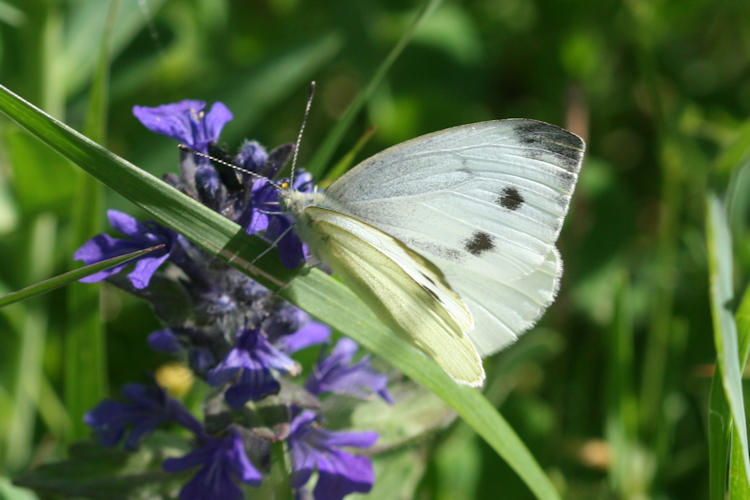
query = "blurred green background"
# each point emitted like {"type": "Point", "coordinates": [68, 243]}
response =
{"type": "Point", "coordinates": [610, 390]}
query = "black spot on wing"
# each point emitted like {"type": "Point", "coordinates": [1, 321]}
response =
{"type": "Point", "coordinates": [510, 198]}
{"type": "Point", "coordinates": [565, 146]}
{"type": "Point", "coordinates": [479, 243]}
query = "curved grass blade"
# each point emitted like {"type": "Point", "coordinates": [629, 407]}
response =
{"type": "Point", "coordinates": [71, 276]}
{"type": "Point", "coordinates": [322, 157]}
{"type": "Point", "coordinates": [719, 244]}
{"type": "Point", "coordinates": [739, 487]}
{"type": "Point", "coordinates": [320, 295]}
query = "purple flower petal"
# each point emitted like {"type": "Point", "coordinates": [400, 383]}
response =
{"type": "Point", "coordinates": [333, 374]}
{"type": "Point", "coordinates": [215, 120]}
{"type": "Point", "coordinates": [126, 224]}
{"type": "Point", "coordinates": [142, 236]}
{"type": "Point", "coordinates": [145, 267]}
{"type": "Point", "coordinates": [146, 409]}
{"type": "Point", "coordinates": [222, 460]}
{"type": "Point", "coordinates": [254, 357]}
{"type": "Point", "coordinates": [103, 247]}
{"type": "Point", "coordinates": [291, 249]}
{"type": "Point", "coordinates": [173, 120]}
{"type": "Point", "coordinates": [107, 421]}
{"type": "Point", "coordinates": [209, 483]}
{"type": "Point", "coordinates": [339, 472]}
{"type": "Point", "coordinates": [164, 341]}
{"type": "Point", "coordinates": [311, 334]}
{"type": "Point", "coordinates": [253, 385]}
{"type": "Point", "coordinates": [186, 121]}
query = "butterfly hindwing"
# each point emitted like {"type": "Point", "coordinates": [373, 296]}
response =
{"type": "Point", "coordinates": [404, 290]}
{"type": "Point", "coordinates": [504, 310]}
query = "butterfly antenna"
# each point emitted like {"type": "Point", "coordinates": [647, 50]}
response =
{"type": "Point", "coordinates": [183, 147]}
{"type": "Point", "coordinates": [301, 130]}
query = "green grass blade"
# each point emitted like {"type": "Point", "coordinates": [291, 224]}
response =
{"type": "Point", "coordinates": [28, 364]}
{"type": "Point", "coordinates": [346, 161]}
{"type": "Point", "coordinates": [85, 23]}
{"type": "Point", "coordinates": [719, 439]}
{"type": "Point", "coordinates": [70, 277]}
{"type": "Point", "coordinates": [621, 424]}
{"type": "Point", "coordinates": [332, 302]}
{"type": "Point", "coordinates": [322, 296]}
{"type": "Point", "coordinates": [85, 350]}
{"type": "Point", "coordinates": [739, 487]}
{"type": "Point", "coordinates": [719, 244]}
{"type": "Point", "coordinates": [322, 157]}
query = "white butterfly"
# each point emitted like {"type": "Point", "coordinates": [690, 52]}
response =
{"type": "Point", "coordinates": [450, 237]}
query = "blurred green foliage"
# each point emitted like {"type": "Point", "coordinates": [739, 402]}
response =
{"type": "Point", "coordinates": [611, 391]}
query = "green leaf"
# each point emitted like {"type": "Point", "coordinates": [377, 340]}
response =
{"type": "Point", "coordinates": [322, 157]}
{"type": "Point", "coordinates": [415, 413]}
{"type": "Point", "coordinates": [71, 276]}
{"type": "Point", "coordinates": [397, 474]}
{"type": "Point", "coordinates": [93, 471]}
{"type": "Point", "coordinates": [319, 294]}
{"type": "Point", "coordinates": [719, 244]}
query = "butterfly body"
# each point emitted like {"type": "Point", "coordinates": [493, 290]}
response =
{"type": "Point", "coordinates": [449, 237]}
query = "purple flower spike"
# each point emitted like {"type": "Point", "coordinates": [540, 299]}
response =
{"type": "Point", "coordinates": [333, 374]}
{"type": "Point", "coordinates": [186, 121]}
{"type": "Point", "coordinates": [147, 408]}
{"type": "Point", "coordinates": [222, 461]}
{"type": "Point", "coordinates": [252, 357]}
{"type": "Point", "coordinates": [141, 235]}
{"type": "Point", "coordinates": [339, 472]}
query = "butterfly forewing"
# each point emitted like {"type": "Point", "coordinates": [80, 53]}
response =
{"type": "Point", "coordinates": [483, 202]}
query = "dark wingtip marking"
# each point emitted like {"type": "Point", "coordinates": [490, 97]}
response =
{"type": "Point", "coordinates": [510, 198]}
{"type": "Point", "coordinates": [479, 243]}
{"type": "Point", "coordinates": [566, 145]}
